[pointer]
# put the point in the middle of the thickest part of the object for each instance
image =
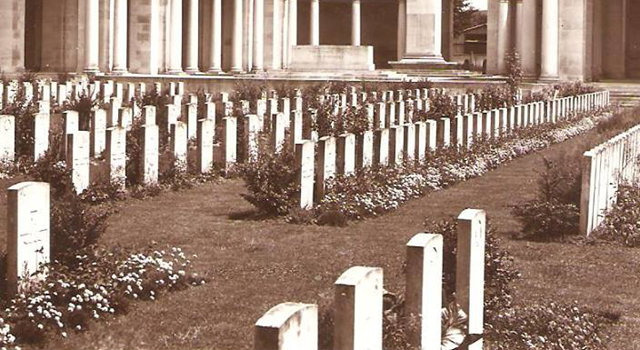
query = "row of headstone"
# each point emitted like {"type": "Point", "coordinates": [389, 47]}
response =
{"type": "Point", "coordinates": [605, 168]}
{"type": "Point", "coordinates": [412, 141]}
{"type": "Point", "coordinates": [358, 303]}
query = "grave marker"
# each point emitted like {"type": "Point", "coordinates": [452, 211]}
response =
{"type": "Point", "coordinates": [149, 159]}
{"type": "Point", "coordinates": [205, 134]}
{"type": "Point", "coordinates": [116, 150]}
{"type": "Point", "coordinates": [78, 159]}
{"type": "Point", "coordinates": [305, 163]}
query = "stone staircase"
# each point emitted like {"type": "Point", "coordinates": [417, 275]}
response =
{"type": "Point", "coordinates": [624, 93]}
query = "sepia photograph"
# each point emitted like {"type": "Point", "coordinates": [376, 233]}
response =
{"type": "Point", "coordinates": [320, 174]}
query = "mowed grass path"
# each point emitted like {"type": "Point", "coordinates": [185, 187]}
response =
{"type": "Point", "coordinates": [254, 265]}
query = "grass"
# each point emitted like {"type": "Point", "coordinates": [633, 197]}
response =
{"type": "Point", "coordinates": [255, 264]}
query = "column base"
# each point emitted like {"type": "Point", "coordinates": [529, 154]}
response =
{"type": "Point", "coordinates": [548, 79]}
{"type": "Point", "coordinates": [190, 70]}
{"type": "Point", "coordinates": [422, 63]}
{"type": "Point", "coordinates": [119, 71]}
{"type": "Point", "coordinates": [215, 71]}
{"type": "Point", "coordinates": [236, 71]}
{"type": "Point", "coordinates": [91, 70]}
{"type": "Point", "coordinates": [175, 71]}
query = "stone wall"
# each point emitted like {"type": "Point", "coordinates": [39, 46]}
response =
{"type": "Point", "coordinates": [12, 23]}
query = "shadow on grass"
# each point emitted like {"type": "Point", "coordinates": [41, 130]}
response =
{"type": "Point", "coordinates": [251, 215]}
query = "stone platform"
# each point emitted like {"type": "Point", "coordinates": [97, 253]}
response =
{"type": "Point", "coordinates": [332, 58]}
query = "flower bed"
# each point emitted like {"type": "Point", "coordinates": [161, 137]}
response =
{"type": "Point", "coordinates": [102, 283]}
{"type": "Point", "coordinates": [375, 191]}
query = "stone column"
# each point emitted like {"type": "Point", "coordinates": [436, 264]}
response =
{"type": "Point", "coordinates": [121, 31]}
{"type": "Point", "coordinates": [423, 31]}
{"type": "Point", "coordinates": [314, 25]}
{"type": "Point", "coordinates": [175, 37]}
{"type": "Point", "coordinates": [237, 37]}
{"type": "Point", "coordinates": [402, 28]}
{"type": "Point", "coordinates": [293, 25]}
{"type": "Point", "coordinates": [258, 35]}
{"type": "Point", "coordinates": [526, 36]}
{"type": "Point", "coordinates": [215, 63]}
{"type": "Point", "coordinates": [504, 35]}
{"type": "Point", "coordinates": [192, 36]}
{"type": "Point", "coordinates": [355, 23]}
{"type": "Point", "coordinates": [549, 48]}
{"type": "Point", "coordinates": [92, 42]}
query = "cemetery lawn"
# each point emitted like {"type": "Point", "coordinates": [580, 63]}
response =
{"type": "Point", "coordinates": [255, 264]}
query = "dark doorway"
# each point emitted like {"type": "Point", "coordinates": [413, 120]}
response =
{"type": "Point", "coordinates": [33, 35]}
{"type": "Point", "coordinates": [633, 40]}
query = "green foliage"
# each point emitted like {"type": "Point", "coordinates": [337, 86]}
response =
{"type": "Point", "coordinates": [514, 71]}
{"type": "Point", "coordinates": [271, 180]}
{"type": "Point", "coordinates": [440, 105]}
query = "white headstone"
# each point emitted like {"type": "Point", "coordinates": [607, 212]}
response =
{"type": "Point", "coordinates": [7, 139]}
{"type": "Point", "coordinates": [423, 298]}
{"type": "Point", "coordinates": [149, 160]}
{"type": "Point", "coordinates": [381, 147]}
{"type": "Point", "coordinates": [98, 131]}
{"type": "Point", "coordinates": [358, 309]}
{"type": "Point", "coordinates": [470, 270]}
{"type": "Point", "coordinates": [346, 159]}
{"type": "Point", "coordinates": [396, 145]}
{"type": "Point", "coordinates": [116, 154]}
{"type": "Point", "coordinates": [278, 129]}
{"type": "Point", "coordinates": [251, 137]}
{"type": "Point", "coordinates": [409, 146]}
{"type": "Point", "coordinates": [179, 144]}
{"type": "Point", "coordinates": [78, 159]}
{"type": "Point", "coordinates": [364, 149]}
{"type": "Point", "coordinates": [205, 134]}
{"type": "Point", "coordinates": [40, 135]}
{"type": "Point", "coordinates": [28, 233]}
{"type": "Point", "coordinates": [326, 163]}
{"type": "Point", "coordinates": [305, 163]}
{"type": "Point", "coordinates": [288, 326]}
{"type": "Point", "coordinates": [229, 142]}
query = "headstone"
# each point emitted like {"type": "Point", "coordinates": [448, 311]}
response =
{"type": "Point", "coordinates": [149, 117]}
{"type": "Point", "coordinates": [125, 118]}
{"type": "Point", "coordinates": [173, 114]}
{"type": "Point", "coordinates": [444, 133]}
{"type": "Point", "coordinates": [391, 114]}
{"type": "Point", "coordinates": [346, 154]}
{"type": "Point", "coordinates": [381, 147]}
{"type": "Point", "coordinates": [432, 135]}
{"type": "Point", "coordinates": [251, 137]}
{"type": "Point", "coordinates": [41, 135]}
{"type": "Point", "coordinates": [229, 142]}
{"type": "Point", "coordinates": [423, 298]}
{"type": "Point", "coordinates": [149, 160]}
{"type": "Point", "coordinates": [358, 309]}
{"type": "Point", "coordinates": [116, 154]}
{"type": "Point", "coordinates": [470, 270]}
{"type": "Point", "coordinates": [379, 117]}
{"type": "Point", "coordinates": [78, 159]}
{"type": "Point", "coordinates": [364, 149]}
{"type": "Point", "coordinates": [458, 130]}
{"type": "Point", "coordinates": [7, 139]}
{"type": "Point", "coordinates": [409, 146]}
{"type": "Point", "coordinates": [98, 131]}
{"type": "Point", "coordinates": [326, 164]}
{"type": "Point", "coordinates": [396, 145]}
{"type": "Point", "coordinates": [113, 112]}
{"type": "Point", "coordinates": [288, 326]}
{"type": "Point", "coordinates": [28, 234]}
{"type": "Point", "coordinates": [278, 131]}
{"type": "Point", "coordinates": [305, 164]}
{"type": "Point", "coordinates": [296, 127]}
{"type": "Point", "coordinates": [179, 145]}
{"type": "Point", "coordinates": [205, 134]}
{"type": "Point", "coordinates": [192, 120]}
{"type": "Point", "coordinates": [420, 141]}
{"type": "Point", "coordinates": [467, 129]}
{"type": "Point", "coordinates": [497, 126]}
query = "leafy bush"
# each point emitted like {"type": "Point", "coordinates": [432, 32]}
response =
{"type": "Point", "coordinates": [556, 210]}
{"type": "Point", "coordinates": [622, 222]}
{"type": "Point", "coordinates": [546, 326]}
{"type": "Point", "coordinates": [271, 179]}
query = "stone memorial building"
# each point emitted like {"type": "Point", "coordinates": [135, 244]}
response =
{"type": "Point", "coordinates": [211, 36]}
{"type": "Point", "coordinates": [566, 39]}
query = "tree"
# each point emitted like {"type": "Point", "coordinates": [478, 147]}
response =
{"type": "Point", "coordinates": [465, 16]}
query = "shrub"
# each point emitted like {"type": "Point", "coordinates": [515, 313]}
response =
{"type": "Point", "coordinates": [545, 326]}
{"type": "Point", "coordinates": [555, 212]}
{"type": "Point", "coordinates": [622, 222]}
{"type": "Point", "coordinates": [271, 180]}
